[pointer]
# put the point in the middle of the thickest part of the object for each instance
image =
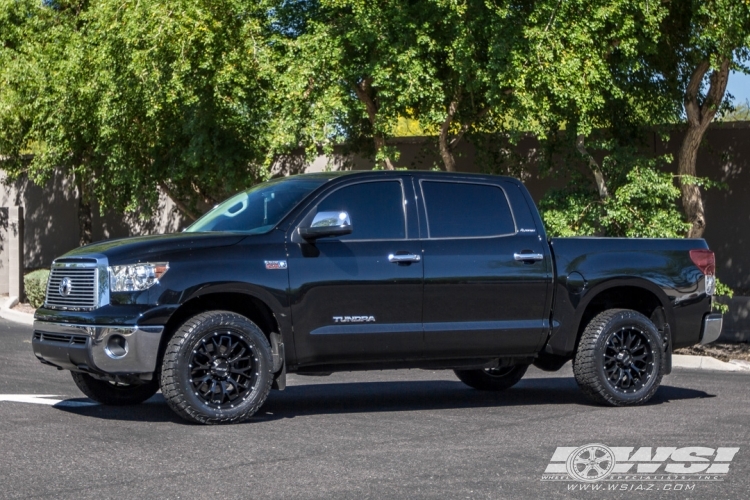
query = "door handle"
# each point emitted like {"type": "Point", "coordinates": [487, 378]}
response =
{"type": "Point", "coordinates": [409, 257]}
{"type": "Point", "coordinates": [528, 256]}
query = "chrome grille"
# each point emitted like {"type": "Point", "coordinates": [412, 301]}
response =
{"type": "Point", "coordinates": [82, 292]}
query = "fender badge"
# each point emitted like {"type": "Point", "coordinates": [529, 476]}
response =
{"type": "Point", "coordinates": [275, 264]}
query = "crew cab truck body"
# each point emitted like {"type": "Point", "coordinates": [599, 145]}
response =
{"type": "Point", "coordinates": [328, 272]}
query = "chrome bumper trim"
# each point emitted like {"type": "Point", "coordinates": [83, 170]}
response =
{"type": "Point", "coordinates": [143, 346]}
{"type": "Point", "coordinates": [711, 328]}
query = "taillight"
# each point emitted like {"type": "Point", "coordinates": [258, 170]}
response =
{"type": "Point", "coordinates": [705, 261]}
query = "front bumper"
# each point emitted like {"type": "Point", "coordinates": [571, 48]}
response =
{"type": "Point", "coordinates": [711, 328]}
{"type": "Point", "coordinates": [87, 347]}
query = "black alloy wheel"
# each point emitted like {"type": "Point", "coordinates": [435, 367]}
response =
{"type": "Point", "coordinates": [628, 360]}
{"type": "Point", "coordinates": [222, 369]}
{"type": "Point", "coordinates": [217, 368]}
{"type": "Point", "coordinates": [620, 358]}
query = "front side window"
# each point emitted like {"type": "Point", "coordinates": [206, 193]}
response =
{"type": "Point", "coordinates": [464, 210]}
{"type": "Point", "coordinates": [376, 210]}
{"type": "Point", "coordinates": [258, 209]}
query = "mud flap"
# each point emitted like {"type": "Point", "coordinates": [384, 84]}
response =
{"type": "Point", "coordinates": [279, 364]}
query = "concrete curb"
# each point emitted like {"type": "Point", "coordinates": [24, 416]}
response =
{"type": "Point", "coordinates": [19, 317]}
{"type": "Point", "coordinates": [708, 363]}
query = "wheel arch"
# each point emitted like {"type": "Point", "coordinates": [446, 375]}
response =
{"type": "Point", "coordinates": [639, 295]}
{"type": "Point", "coordinates": [250, 305]}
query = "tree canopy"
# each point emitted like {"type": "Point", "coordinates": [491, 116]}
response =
{"type": "Point", "coordinates": [131, 96]}
{"type": "Point", "coordinates": [198, 99]}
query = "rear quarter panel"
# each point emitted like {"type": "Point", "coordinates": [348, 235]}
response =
{"type": "Point", "coordinates": [660, 266]}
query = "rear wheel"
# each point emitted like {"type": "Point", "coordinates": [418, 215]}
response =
{"type": "Point", "coordinates": [492, 379]}
{"type": "Point", "coordinates": [217, 369]}
{"type": "Point", "coordinates": [114, 393]}
{"type": "Point", "coordinates": [620, 360]}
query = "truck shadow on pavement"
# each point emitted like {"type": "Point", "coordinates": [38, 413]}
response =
{"type": "Point", "coordinates": [370, 397]}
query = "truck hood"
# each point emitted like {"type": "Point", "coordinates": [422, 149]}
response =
{"type": "Point", "coordinates": [142, 248]}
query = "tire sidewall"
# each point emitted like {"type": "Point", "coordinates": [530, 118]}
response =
{"type": "Point", "coordinates": [255, 339]}
{"type": "Point", "coordinates": [626, 319]}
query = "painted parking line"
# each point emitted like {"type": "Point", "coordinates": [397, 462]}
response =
{"type": "Point", "coordinates": [44, 399]}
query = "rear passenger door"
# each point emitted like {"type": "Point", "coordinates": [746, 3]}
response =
{"type": "Point", "coordinates": [487, 271]}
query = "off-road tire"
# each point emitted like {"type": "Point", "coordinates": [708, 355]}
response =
{"type": "Point", "coordinates": [113, 394]}
{"type": "Point", "coordinates": [592, 355]}
{"type": "Point", "coordinates": [492, 379]}
{"type": "Point", "coordinates": [195, 334]}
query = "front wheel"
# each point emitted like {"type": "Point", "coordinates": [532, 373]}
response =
{"type": "Point", "coordinates": [114, 393]}
{"type": "Point", "coordinates": [620, 358]}
{"type": "Point", "coordinates": [217, 369]}
{"type": "Point", "coordinates": [492, 379]}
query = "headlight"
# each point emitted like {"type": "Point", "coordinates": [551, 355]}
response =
{"type": "Point", "coordinates": [136, 277]}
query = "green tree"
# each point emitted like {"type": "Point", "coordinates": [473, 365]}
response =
{"type": "Point", "coordinates": [582, 84]}
{"type": "Point", "coordinates": [130, 96]}
{"type": "Point", "coordinates": [47, 99]}
{"type": "Point", "coordinates": [702, 41]}
{"type": "Point", "coordinates": [351, 68]}
{"type": "Point", "coordinates": [737, 113]}
{"type": "Point", "coordinates": [461, 59]}
{"type": "Point", "coordinates": [183, 98]}
{"type": "Point", "coordinates": [19, 21]}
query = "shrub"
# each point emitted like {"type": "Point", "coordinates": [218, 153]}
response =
{"type": "Point", "coordinates": [35, 284]}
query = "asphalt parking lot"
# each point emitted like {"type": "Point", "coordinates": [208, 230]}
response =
{"type": "Point", "coordinates": [390, 434]}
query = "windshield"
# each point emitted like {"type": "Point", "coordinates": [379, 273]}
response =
{"type": "Point", "coordinates": [258, 209]}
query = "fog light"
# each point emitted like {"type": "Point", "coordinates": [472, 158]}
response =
{"type": "Point", "coordinates": [117, 347]}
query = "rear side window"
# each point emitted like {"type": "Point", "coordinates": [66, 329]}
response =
{"type": "Point", "coordinates": [463, 210]}
{"type": "Point", "coordinates": [376, 210]}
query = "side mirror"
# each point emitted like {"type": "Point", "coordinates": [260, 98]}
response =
{"type": "Point", "coordinates": [326, 224]}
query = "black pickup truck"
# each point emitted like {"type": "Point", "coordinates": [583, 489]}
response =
{"type": "Point", "coordinates": [319, 273]}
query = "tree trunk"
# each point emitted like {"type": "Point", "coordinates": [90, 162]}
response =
{"type": "Point", "coordinates": [379, 145]}
{"type": "Point", "coordinates": [699, 117]}
{"type": "Point", "coordinates": [446, 151]}
{"type": "Point", "coordinates": [692, 201]}
{"type": "Point", "coordinates": [445, 143]}
{"type": "Point", "coordinates": [363, 90]}
{"type": "Point", "coordinates": [601, 184]}
{"type": "Point", "coordinates": [85, 216]}
{"type": "Point", "coordinates": [182, 207]}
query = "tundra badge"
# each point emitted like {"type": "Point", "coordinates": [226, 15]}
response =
{"type": "Point", "coordinates": [354, 319]}
{"type": "Point", "coordinates": [275, 264]}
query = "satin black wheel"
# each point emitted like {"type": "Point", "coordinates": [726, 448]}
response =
{"type": "Point", "coordinates": [628, 360]}
{"type": "Point", "coordinates": [222, 369]}
{"type": "Point", "coordinates": [620, 358]}
{"type": "Point", "coordinates": [217, 368]}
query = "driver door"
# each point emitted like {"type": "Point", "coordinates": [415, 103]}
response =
{"type": "Point", "coordinates": [350, 302]}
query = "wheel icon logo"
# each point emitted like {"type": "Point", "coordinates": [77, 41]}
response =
{"type": "Point", "coordinates": [592, 462]}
